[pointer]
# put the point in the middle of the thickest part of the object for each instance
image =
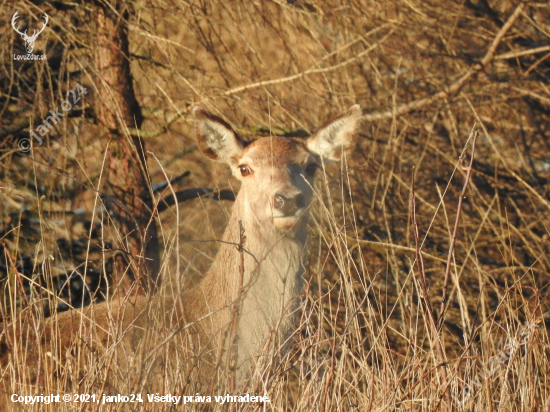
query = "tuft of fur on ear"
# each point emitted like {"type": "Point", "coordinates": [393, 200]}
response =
{"type": "Point", "coordinates": [337, 135]}
{"type": "Point", "coordinates": [215, 138]}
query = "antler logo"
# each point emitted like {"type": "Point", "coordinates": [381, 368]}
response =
{"type": "Point", "coordinates": [29, 40]}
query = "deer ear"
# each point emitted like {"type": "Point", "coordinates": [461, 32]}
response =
{"type": "Point", "coordinates": [337, 135]}
{"type": "Point", "coordinates": [215, 138]}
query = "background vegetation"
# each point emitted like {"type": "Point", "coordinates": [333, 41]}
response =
{"type": "Point", "coordinates": [372, 334]}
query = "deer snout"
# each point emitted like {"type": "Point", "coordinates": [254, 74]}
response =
{"type": "Point", "coordinates": [288, 206]}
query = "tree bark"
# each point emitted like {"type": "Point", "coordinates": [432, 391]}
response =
{"type": "Point", "coordinates": [130, 198]}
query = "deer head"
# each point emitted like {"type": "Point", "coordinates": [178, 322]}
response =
{"type": "Point", "coordinates": [29, 40]}
{"type": "Point", "coordinates": [276, 172]}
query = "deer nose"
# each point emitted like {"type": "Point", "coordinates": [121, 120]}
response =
{"type": "Point", "coordinates": [289, 205]}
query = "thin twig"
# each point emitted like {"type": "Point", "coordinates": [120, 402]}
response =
{"type": "Point", "coordinates": [233, 354]}
{"type": "Point", "coordinates": [455, 231]}
{"type": "Point", "coordinates": [194, 193]}
{"type": "Point", "coordinates": [308, 71]}
{"type": "Point", "coordinates": [436, 339]}
{"type": "Point", "coordinates": [457, 85]}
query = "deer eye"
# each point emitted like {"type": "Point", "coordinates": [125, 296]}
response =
{"type": "Point", "coordinates": [245, 170]}
{"type": "Point", "coordinates": [311, 168]}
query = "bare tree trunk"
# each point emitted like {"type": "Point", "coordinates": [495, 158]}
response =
{"type": "Point", "coordinates": [130, 201]}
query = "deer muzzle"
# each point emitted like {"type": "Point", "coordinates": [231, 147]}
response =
{"type": "Point", "coordinates": [289, 206]}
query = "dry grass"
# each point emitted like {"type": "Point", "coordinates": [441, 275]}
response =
{"type": "Point", "coordinates": [365, 341]}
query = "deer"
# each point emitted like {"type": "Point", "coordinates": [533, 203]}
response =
{"type": "Point", "coordinates": [29, 40]}
{"type": "Point", "coordinates": [245, 306]}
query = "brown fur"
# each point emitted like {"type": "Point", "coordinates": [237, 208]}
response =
{"type": "Point", "coordinates": [197, 328]}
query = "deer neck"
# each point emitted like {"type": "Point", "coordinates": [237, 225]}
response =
{"type": "Point", "coordinates": [270, 265]}
{"type": "Point", "coordinates": [270, 256]}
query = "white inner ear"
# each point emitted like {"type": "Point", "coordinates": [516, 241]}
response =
{"type": "Point", "coordinates": [221, 140]}
{"type": "Point", "coordinates": [216, 136]}
{"type": "Point", "coordinates": [336, 134]}
{"type": "Point", "coordinates": [335, 138]}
